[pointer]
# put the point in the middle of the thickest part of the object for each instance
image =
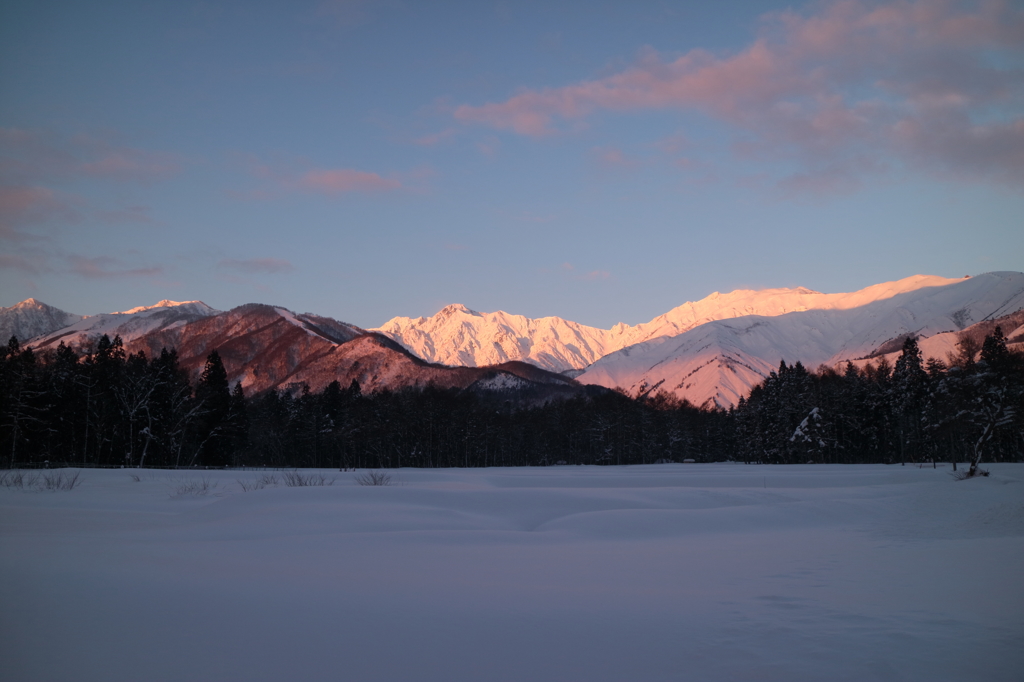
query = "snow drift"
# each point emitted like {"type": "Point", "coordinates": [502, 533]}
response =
{"type": "Point", "coordinates": [664, 572]}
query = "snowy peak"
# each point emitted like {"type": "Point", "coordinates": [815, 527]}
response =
{"type": "Point", "coordinates": [457, 335]}
{"type": "Point", "coordinates": [129, 325]}
{"type": "Point", "coordinates": [31, 318]}
{"type": "Point", "coordinates": [191, 305]}
{"type": "Point", "coordinates": [456, 308]}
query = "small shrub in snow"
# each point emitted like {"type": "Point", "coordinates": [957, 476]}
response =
{"type": "Point", "coordinates": [12, 479]}
{"type": "Point", "coordinates": [58, 480]}
{"type": "Point", "coordinates": [374, 478]}
{"type": "Point", "coordinates": [258, 483]}
{"type": "Point", "coordinates": [293, 479]}
{"type": "Point", "coordinates": [135, 477]}
{"type": "Point", "coordinates": [193, 486]}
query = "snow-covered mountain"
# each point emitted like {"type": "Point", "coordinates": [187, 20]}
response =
{"type": "Point", "coordinates": [129, 324]}
{"type": "Point", "coordinates": [266, 347]}
{"type": "Point", "coordinates": [460, 336]}
{"type": "Point", "coordinates": [32, 318]}
{"type": "Point", "coordinates": [710, 351]}
{"type": "Point", "coordinates": [718, 362]}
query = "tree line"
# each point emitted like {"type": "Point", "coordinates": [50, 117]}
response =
{"type": "Point", "coordinates": [105, 407]}
{"type": "Point", "coordinates": [965, 409]}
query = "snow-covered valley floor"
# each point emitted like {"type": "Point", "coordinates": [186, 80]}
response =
{"type": "Point", "coordinates": [665, 572]}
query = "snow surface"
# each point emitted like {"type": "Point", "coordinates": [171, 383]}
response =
{"type": "Point", "coordinates": [663, 572]}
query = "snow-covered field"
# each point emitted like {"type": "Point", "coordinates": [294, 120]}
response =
{"type": "Point", "coordinates": [666, 572]}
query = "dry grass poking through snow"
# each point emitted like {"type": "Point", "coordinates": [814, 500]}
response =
{"type": "Point", "coordinates": [53, 480]}
{"type": "Point", "coordinates": [258, 483]}
{"type": "Point", "coordinates": [293, 479]}
{"type": "Point", "coordinates": [374, 478]}
{"type": "Point", "coordinates": [192, 486]}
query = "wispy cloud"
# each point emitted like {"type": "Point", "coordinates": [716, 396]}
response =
{"type": "Point", "coordinates": [257, 266]}
{"type": "Point", "coordinates": [434, 139]}
{"type": "Point", "coordinates": [103, 267]}
{"type": "Point", "coordinates": [336, 181]}
{"type": "Point", "coordinates": [40, 157]}
{"type": "Point", "coordinates": [15, 262]}
{"type": "Point", "coordinates": [613, 157]}
{"type": "Point", "coordinates": [932, 82]}
{"type": "Point", "coordinates": [591, 276]}
{"type": "Point", "coordinates": [30, 205]}
{"type": "Point", "coordinates": [489, 146]}
{"type": "Point", "coordinates": [299, 175]}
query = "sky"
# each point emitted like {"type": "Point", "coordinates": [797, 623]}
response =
{"type": "Point", "coordinates": [602, 162]}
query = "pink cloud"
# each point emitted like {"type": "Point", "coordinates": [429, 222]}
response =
{"type": "Point", "coordinates": [131, 165]}
{"type": "Point", "coordinates": [257, 266]}
{"type": "Point", "coordinates": [14, 262]}
{"type": "Point", "coordinates": [344, 180]}
{"type": "Point", "coordinates": [932, 81]}
{"type": "Point", "coordinates": [103, 267]}
{"type": "Point", "coordinates": [612, 157]}
{"type": "Point", "coordinates": [33, 156]}
{"type": "Point", "coordinates": [29, 205]}
{"type": "Point", "coordinates": [16, 201]}
{"type": "Point", "coordinates": [840, 177]}
{"type": "Point", "coordinates": [435, 138]}
{"type": "Point", "coordinates": [299, 175]}
{"type": "Point", "coordinates": [489, 146]}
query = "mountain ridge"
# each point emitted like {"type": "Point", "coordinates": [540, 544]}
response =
{"type": "Point", "coordinates": [717, 363]}
{"type": "Point", "coordinates": [722, 351]}
{"type": "Point", "coordinates": [458, 335]}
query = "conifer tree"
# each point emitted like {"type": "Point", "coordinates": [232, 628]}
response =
{"type": "Point", "coordinates": [906, 394]}
{"type": "Point", "coordinates": [214, 397]}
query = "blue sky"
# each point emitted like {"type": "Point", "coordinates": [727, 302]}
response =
{"type": "Point", "coordinates": [602, 162]}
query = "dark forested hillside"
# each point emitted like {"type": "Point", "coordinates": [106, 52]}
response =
{"type": "Point", "coordinates": [112, 408]}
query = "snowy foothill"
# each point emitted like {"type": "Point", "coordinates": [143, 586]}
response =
{"type": "Point", "coordinates": [661, 572]}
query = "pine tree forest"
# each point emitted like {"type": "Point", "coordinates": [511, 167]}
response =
{"type": "Point", "coordinates": [112, 409]}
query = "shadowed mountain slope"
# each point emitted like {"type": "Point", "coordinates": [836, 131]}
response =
{"type": "Point", "coordinates": [266, 347]}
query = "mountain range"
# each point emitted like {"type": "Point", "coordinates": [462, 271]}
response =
{"type": "Point", "coordinates": [710, 352]}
